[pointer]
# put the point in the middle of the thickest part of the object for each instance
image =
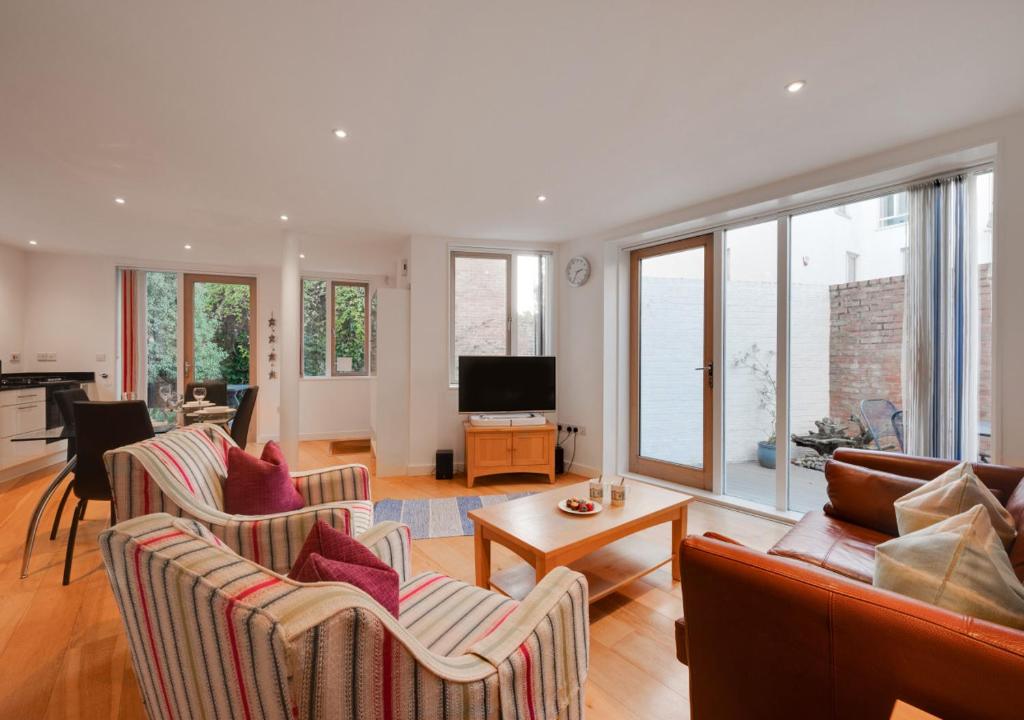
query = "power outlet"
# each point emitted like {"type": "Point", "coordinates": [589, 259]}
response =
{"type": "Point", "coordinates": [570, 428]}
{"type": "Point", "coordinates": [15, 358]}
{"type": "Point", "coordinates": [46, 357]}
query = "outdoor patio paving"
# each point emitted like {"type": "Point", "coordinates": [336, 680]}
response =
{"type": "Point", "coordinates": [750, 481]}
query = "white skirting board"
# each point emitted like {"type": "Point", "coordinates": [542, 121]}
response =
{"type": "Point", "coordinates": [339, 435]}
{"type": "Point", "coordinates": [16, 471]}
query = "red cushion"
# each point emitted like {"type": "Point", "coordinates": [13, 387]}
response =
{"type": "Point", "coordinates": [329, 554]}
{"type": "Point", "coordinates": [259, 486]}
{"type": "Point", "coordinates": [380, 584]}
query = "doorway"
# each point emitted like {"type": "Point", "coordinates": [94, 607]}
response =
{"type": "Point", "coordinates": [671, 370]}
{"type": "Point", "coordinates": [219, 314]}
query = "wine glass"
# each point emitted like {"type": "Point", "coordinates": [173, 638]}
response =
{"type": "Point", "coordinates": [199, 393]}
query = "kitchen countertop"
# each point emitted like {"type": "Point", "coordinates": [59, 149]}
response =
{"type": "Point", "coordinates": [41, 380]}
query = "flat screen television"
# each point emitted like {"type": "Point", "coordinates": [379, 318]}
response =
{"type": "Point", "coordinates": [495, 384]}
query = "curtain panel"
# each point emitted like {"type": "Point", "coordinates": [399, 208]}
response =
{"type": "Point", "coordinates": [941, 321]}
{"type": "Point", "coordinates": [129, 330]}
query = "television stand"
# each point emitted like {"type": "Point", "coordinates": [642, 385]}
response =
{"type": "Point", "coordinates": [509, 449]}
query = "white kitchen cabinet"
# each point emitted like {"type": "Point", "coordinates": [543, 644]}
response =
{"type": "Point", "coordinates": [21, 411]}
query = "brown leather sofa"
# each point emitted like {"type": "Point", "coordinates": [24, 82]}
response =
{"type": "Point", "coordinates": [801, 633]}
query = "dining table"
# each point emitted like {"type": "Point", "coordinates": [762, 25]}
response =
{"type": "Point", "coordinates": [56, 434]}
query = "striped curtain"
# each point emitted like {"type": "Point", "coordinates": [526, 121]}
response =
{"type": "Point", "coordinates": [129, 331]}
{"type": "Point", "coordinates": [941, 322]}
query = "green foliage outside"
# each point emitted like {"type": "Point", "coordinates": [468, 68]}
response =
{"type": "Point", "coordinates": [350, 324]}
{"type": "Point", "coordinates": [314, 327]}
{"type": "Point", "coordinates": [161, 330]}
{"type": "Point", "coordinates": [221, 316]}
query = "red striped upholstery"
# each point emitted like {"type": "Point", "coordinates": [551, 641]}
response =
{"type": "Point", "coordinates": [449, 615]}
{"type": "Point", "coordinates": [213, 635]}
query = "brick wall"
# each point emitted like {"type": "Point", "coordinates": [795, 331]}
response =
{"type": "Point", "coordinates": [481, 298]}
{"type": "Point", "coordinates": [866, 337]}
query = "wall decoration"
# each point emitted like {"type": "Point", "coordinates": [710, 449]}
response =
{"type": "Point", "coordinates": [272, 339]}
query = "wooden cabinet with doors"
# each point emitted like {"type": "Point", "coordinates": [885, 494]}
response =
{"type": "Point", "coordinates": [509, 449]}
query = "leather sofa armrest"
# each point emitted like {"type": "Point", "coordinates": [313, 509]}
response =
{"type": "Point", "coordinates": [865, 497]}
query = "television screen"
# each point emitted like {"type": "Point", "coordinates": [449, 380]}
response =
{"type": "Point", "coordinates": [492, 384]}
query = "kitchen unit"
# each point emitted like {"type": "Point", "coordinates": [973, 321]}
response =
{"type": "Point", "coordinates": [27, 404]}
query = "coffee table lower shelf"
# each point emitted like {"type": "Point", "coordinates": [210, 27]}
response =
{"type": "Point", "coordinates": [607, 569]}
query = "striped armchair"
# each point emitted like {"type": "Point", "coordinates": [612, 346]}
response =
{"type": "Point", "coordinates": [214, 635]}
{"type": "Point", "coordinates": [181, 472]}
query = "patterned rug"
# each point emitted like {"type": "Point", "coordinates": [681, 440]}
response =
{"type": "Point", "coordinates": [438, 517]}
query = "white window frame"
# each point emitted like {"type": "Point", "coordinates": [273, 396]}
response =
{"type": "Point", "coordinates": [330, 360]}
{"type": "Point", "coordinates": [511, 309]}
{"type": "Point", "coordinates": [899, 213]}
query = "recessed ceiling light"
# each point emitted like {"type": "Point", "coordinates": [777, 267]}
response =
{"type": "Point", "coordinates": [796, 86]}
{"type": "Point", "coordinates": [284, 218]}
{"type": "Point", "coordinates": [302, 256]}
{"type": "Point", "coordinates": [542, 198]}
{"type": "Point", "coordinates": [188, 247]}
{"type": "Point", "coordinates": [119, 200]}
{"type": "Point", "coordinates": [32, 242]}
{"type": "Point", "coordinates": [340, 134]}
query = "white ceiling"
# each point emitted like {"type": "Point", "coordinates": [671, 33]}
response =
{"type": "Point", "coordinates": [214, 118]}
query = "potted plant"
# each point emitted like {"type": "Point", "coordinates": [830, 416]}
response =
{"type": "Point", "coordinates": [761, 363]}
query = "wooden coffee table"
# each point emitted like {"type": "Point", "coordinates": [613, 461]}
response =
{"type": "Point", "coordinates": [604, 547]}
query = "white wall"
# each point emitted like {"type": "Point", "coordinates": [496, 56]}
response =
{"type": "Point", "coordinates": [71, 310]}
{"type": "Point", "coordinates": [591, 319]}
{"type": "Point", "coordinates": [434, 420]}
{"type": "Point", "coordinates": [329, 408]}
{"type": "Point", "coordinates": [13, 277]}
{"type": "Point", "coordinates": [580, 382]}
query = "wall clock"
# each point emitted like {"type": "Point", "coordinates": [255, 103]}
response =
{"type": "Point", "coordinates": [577, 271]}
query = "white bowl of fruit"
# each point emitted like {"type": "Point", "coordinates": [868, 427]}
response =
{"type": "Point", "coordinates": [580, 506]}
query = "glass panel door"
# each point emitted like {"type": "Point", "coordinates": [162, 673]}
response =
{"type": "Point", "coordinates": [161, 309]}
{"type": "Point", "coordinates": [220, 331]}
{"type": "Point", "coordinates": [750, 360]}
{"type": "Point", "coordinates": [671, 374]}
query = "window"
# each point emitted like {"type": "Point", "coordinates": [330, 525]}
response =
{"type": "Point", "coordinates": [335, 317]}
{"type": "Point", "coordinates": [499, 305]}
{"type": "Point", "coordinates": [892, 209]}
{"type": "Point", "coordinates": [851, 267]}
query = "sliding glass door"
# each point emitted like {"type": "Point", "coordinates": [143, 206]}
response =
{"type": "Point", "coordinates": [750, 361]}
{"type": "Point", "coordinates": [671, 370]}
{"type": "Point", "coordinates": [814, 343]}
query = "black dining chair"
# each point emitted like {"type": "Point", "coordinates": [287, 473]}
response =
{"type": "Point", "coordinates": [243, 417]}
{"type": "Point", "coordinates": [101, 426]}
{"type": "Point", "coordinates": [66, 400]}
{"type": "Point", "coordinates": [216, 391]}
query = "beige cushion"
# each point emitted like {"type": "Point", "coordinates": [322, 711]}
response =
{"type": "Point", "coordinates": [951, 493]}
{"type": "Point", "coordinates": [958, 564]}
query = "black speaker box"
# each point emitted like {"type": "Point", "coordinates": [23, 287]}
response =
{"type": "Point", "coordinates": [444, 465]}
{"type": "Point", "coordinates": [559, 460]}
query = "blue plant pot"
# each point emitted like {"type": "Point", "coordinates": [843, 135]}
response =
{"type": "Point", "coordinates": [766, 454]}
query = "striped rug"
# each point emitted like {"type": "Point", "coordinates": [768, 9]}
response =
{"type": "Point", "coordinates": [438, 517]}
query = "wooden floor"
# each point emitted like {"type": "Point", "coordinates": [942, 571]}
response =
{"type": "Point", "coordinates": [63, 652]}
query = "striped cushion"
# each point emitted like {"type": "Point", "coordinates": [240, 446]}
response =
{"type": "Point", "coordinates": [448, 615]}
